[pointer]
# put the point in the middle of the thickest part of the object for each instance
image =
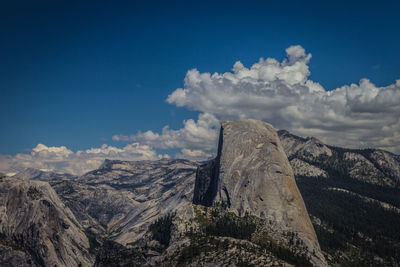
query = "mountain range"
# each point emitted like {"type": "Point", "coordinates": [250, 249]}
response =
{"type": "Point", "coordinates": [268, 198]}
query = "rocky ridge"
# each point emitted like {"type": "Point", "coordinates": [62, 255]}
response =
{"type": "Point", "coordinates": [352, 196]}
{"type": "Point", "coordinates": [40, 175]}
{"type": "Point", "coordinates": [308, 157]}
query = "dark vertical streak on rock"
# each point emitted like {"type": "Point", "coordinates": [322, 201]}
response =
{"type": "Point", "coordinates": [228, 199]}
{"type": "Point", "coordinates": [207, 176]}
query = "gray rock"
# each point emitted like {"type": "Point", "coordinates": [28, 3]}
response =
{"type": "Point", "coordinates": [310, 146]}
{"type": "Point", "coordinates": [305, 169]}
{"type": "Point", "coordinates": [35, 219]}
{"type": "Point", "coordinates": [364, 170]}
{"type": "Point", "coordinates": [389, 163]}
{"type": "Point", "coordinates": [254, 176]}
{"type": "Point", "coordinates": [122, 198]}
{"type": "Point", "coordinates": [13, 257]}
{"type": "Point", "coordinates": [39, 175]}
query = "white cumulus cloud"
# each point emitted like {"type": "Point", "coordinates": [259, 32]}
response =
{"type": "Point", "coordinates": [280, 92]}
{"type": "Point", "coordinates": [195, 136]}
{"type": "Point", "coordinates": [196, 154]}
{"type": "Point", "coordinates": [61, 159]}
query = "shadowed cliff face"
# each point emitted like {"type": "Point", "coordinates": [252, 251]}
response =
{"type": "Point", "coordinates": [252, 174]}
{"type": "Point", "coordinates": [207, 175]}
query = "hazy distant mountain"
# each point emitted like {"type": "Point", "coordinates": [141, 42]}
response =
{"type": "Point", "coordinates": [39, 175]}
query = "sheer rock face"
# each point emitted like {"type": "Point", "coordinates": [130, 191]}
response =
{"type": "Point", "coordinates": [34, 220]}
{"type": "Point", "coordinates": [251, 173]}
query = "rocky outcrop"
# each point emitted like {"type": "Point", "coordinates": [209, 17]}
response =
{"type": "Point", "coordinates": [389, 163]}
{"type": "Point", "coordinates": [364, 170]}
{"type": "Point", "coordinates": [309, 146]}
{"type": "Point", "coordinates": [310, 157]}
{"type": "Point", "coordinates": [305, 169]}
{"type": "Point", "coordinates": [40, 227]}
{"type": "Point", "coordinates": [252, 175]}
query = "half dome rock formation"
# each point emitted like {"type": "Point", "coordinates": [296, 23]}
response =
{"type": "Point", "coordinates": [252, 175]}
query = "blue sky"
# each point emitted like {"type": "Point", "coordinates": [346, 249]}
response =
{"type": "Point", "coordinates": [76, 73]}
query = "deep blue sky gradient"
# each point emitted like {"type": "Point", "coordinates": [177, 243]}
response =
{"type": "Point", "coordinates": [75, 73]}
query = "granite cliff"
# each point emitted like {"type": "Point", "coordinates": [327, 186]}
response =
{"type": "Point", "coordinates": [37, 229]}
{"type": "Point", "coordinates": [252, 175]}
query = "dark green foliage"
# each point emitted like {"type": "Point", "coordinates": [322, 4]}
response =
{"type": "Point", "coordinates": [34, 193]}
{"type": "Point", "coordinates": [338, 171]}
{"type": "Point", "coordinates": [93, 242]}
{"type": "Point", "coordinates": [329, 241]}
{"type": "Point", "coordinates": [223, 223]}
{"type": "Point", "coordinates": [161, 229]}
{"type": "Point", "coordinates": [205, 244]}
{"type": "Point", "coordinates": [291, 257]}
{"type": "Point", "coordinates": [115, 254]}
{"type": "Point", "coordinates": [192, 251]}
{"type": "Point", "coordinates": [242, 263]}
{"type": "Point", "coordinates": [217, 221]}
{"type": "Point", "coordinates": [282, 252]}
{"type": "Point", "coordinates": [365, 225]}
{"type": "Point", "coordinates": [7, 242]}
{"type": "Point", "coordinates": [360, 229]}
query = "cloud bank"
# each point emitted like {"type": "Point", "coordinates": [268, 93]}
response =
{"type": "Point", "coordinates": [197, 139]}
{"type": "Point", "coordinates": [281, 93]}
{"type": "Point", "coordinates": [61, 159]}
